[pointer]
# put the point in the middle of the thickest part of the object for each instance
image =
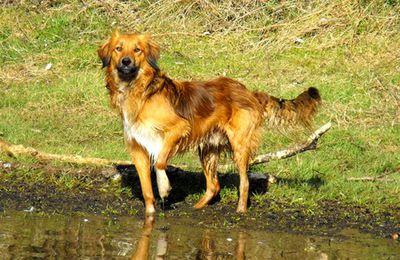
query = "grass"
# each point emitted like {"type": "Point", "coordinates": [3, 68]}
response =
{"type": "Point", "coordinates": [349, 51]}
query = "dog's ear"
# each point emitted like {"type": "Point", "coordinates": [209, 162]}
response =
{"type": "Point", "coordinates": [154, 50]}
{"type": "Point", "coordinates": [104, 53]}
{"type": "Point", "coordinates": [115, 34]}
{"type": "Point", "coordinates": [153, 53]}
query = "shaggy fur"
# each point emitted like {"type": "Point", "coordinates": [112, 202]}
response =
{"type": "Point", "coordinates": [162, 116]}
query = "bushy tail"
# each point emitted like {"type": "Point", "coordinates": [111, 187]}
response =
{"type": "Point", "coordinates": [295, 111]}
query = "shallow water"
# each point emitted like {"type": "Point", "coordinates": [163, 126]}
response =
{"type": "Point", "coordinates": [23, 235]}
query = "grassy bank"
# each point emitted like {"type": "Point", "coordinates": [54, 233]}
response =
{"type": "Point", "coordinates": [348, 49]}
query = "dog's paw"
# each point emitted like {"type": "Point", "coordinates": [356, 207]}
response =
{"type": "Point", "coordinates": [164, 187]}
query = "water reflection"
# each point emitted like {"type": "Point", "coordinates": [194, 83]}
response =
{"type": "Point", "coordinates": [209, 251]}
{"type": "Point", "coordinates": [23, 235]}
{"type": "Point", "coordinates": [142, 249]}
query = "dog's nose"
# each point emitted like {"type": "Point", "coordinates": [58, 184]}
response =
{"type": "Point", "coordinates": [126, 61]}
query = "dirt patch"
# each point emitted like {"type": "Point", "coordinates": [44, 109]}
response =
{"type": "Point", "coordinates": [50, 199]}
{"type": "Point", "coordinates": [94, 191]}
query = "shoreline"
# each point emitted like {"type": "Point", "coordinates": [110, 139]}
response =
{"type": "Point", "coordinates": [95, 193]}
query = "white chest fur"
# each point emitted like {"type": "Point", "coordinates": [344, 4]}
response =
{"type": "Point", "coordinates": [145, 135]}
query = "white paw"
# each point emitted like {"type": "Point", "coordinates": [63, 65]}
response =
{"type": "Point", "coordinates": [164, 187]}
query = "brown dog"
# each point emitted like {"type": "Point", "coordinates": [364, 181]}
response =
{"type": "Point", "coordinates": [162, 116]}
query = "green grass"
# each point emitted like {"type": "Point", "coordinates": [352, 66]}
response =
{"type": "Point", "coordinates": [352, 58]}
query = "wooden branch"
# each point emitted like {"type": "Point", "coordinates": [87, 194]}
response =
{"type": "Point", "coordinates": [367, 178]}
{"type": "Point", "coordinates": [310, 144]}
{"type": "Point", "coordinates": [381, 177]}
{"type": "Point", "coordinates": [18, 150]}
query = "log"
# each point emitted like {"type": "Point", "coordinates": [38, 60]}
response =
{"type": "Point", "coordinates": [310, 144]}
{"type": "Point", "coordinates": [18, 150]}
{"type": "Point", "coordinates": [367, 178]}
{"type": "Point", "coordinates": [381, 177]}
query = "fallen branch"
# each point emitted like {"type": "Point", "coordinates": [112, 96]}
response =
{"type": "Point", "coordinates": [18, 150]}
{"type": "Point", "coordinates": [366, 178]}
{"type": "Point", "coordinates": [310, 144]}
{"type": "Point", "coordinates": [381, 177]}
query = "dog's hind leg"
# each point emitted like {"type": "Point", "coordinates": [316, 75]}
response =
{"type": "Point", "coordinates": [241, 157]}
{"type": "Point", "coordinates": [209, 161]}
{"type": "Point", "coordinates": [243, 134]}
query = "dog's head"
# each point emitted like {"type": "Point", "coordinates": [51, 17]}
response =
{"type": "Point", "coordinates": [129, 54]}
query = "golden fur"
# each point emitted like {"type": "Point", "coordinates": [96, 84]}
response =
{"type": "Point", "coordinates": [163, 116]}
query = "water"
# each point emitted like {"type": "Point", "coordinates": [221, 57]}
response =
{"type": "Point", "coordinates": [23, 235]}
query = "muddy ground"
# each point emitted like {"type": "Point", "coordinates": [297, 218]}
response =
{"type": "Point", "coordinates": [95, 191]}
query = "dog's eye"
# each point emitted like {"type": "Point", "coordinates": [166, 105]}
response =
{"type": "Point", "coordinates": [119, 48]}
{"type": "Point", "coordinates": [136, 50]}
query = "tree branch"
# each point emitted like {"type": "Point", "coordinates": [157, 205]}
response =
{"type": "Point", "coordinates": [18, 150]}
{"type": "Point", "coordinates": [367, 178]}
{"type": "Point", "coordinates": [381, 177]}
{"type": "Point", "coordinates": [310, 144]}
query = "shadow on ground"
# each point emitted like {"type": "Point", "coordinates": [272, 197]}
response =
{"type": "Point", "coordinates": [314, 182]}
{"type": "Point", "coordinates": [185, 183]}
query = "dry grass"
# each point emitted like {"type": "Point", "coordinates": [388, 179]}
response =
{"type": "Point", "coordinates": [272, 25]}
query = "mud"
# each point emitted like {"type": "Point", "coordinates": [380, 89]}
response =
{"type": "Point", "coordinates": [103, 196]}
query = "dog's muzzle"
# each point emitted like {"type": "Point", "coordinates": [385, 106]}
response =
{"type": "Point", "coordinates": [127, 70]}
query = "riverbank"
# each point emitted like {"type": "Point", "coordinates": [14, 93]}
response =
{"type": "Point", "coordinates": [40, 188]}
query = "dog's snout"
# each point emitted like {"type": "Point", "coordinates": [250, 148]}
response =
{"type": "Point", "coordinates": [127, 70]}
{"type": "Point", "coordinates": [126, 61]}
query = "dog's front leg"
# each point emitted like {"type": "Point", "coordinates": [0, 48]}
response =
{"type": "Point", "coordinates": [141, 159]}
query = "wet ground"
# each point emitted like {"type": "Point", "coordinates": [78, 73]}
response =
{"type": "Point", "coordinates": [43, 219]}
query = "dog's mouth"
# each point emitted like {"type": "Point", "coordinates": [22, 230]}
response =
{"type": "Point", "coordinates": [127, 73]}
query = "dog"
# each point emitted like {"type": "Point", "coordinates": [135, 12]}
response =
{"type": "Point", "coordinates": [162, 117]}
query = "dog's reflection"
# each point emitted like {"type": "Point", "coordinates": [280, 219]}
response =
{"type": "Point", "coordinates": [142, 249]}
{"type": "Point", "coordinates": [207, 249]}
